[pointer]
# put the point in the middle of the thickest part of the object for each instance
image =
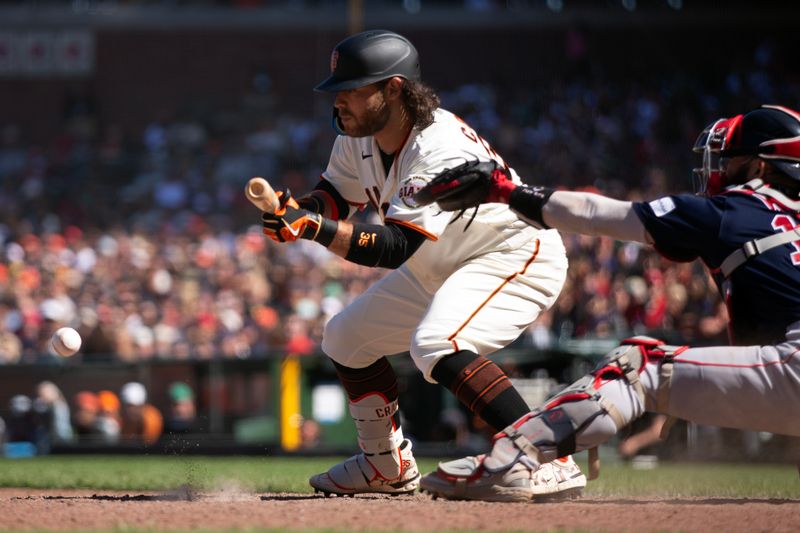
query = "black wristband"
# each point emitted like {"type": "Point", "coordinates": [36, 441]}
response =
{"type": "Point", "coordinates": [528, 202]}
{"type": "Point", "coordinates": [327, 231]}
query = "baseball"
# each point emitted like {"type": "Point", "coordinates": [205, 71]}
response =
{"type": "Point", "coordinates": [65, 342]}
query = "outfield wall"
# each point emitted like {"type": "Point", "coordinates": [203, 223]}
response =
{"type": "Point", "coordinates": [258, 406]}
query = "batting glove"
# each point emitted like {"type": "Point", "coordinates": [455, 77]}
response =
{"type": "Point", "coordinates": [290, 222]}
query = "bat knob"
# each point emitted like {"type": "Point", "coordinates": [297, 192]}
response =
{"type": "Point", "coordinates": [256, 188]}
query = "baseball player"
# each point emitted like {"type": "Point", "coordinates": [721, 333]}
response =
{"type": "Point", "coordinates": [453, 296]}
{"type": "Point", "coordinates": [744, 227]}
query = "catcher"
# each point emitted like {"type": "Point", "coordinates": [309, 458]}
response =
{"type": "Point", "coordinates": [743, 226]}
{"type": "Point", "coordinates": [451, 298]}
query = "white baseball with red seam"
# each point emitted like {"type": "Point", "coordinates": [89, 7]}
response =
{"type": "Point", "coordinates": [65, 341]}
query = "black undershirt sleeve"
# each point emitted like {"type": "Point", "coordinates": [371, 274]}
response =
{"type": "Point", "coordinates": [383, 246]}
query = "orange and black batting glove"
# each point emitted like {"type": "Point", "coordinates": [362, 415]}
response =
{"type": "Point", "coordinates": [291, 222]}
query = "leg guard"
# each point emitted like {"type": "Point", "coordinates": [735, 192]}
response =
{"type": "Point", "coordinates": [378, 437]}
{"type": "Point", "coordinates": [386, 464]}
{"type": "Point", "coordinates": [581, 416]}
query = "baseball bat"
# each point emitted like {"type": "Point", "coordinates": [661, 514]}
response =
{"type": "Point", "coordinates": [261, 195]}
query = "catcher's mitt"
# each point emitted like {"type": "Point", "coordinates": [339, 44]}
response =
{"type": "Point", "coordinates": [460, 188]}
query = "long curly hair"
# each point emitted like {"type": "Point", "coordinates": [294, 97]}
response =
{"type": "Point", "coordinates": [420, 101]}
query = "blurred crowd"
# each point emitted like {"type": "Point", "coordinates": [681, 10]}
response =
{"type": "Point", "coordinates": [145, 244]}
{"type": "Point", "coordinates": [36, 423]}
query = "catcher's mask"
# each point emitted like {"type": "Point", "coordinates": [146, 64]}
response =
{"type": "Point", "coordinates": [770, 132]}
{"type": "Point", "coordinates": [366, 58]}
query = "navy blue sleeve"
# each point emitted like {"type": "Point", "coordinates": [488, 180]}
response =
{"type": "Point", "coordinates": [683, 227]}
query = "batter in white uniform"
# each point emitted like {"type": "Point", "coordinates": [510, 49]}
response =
{"type": "Point", "coordinates": [453, 296]}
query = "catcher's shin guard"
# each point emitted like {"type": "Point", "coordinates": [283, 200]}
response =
{"type": "Point", "coordinates": [580, 417]}
{"type": "Point", "coordinates": [590, 411]}
{"type": "Point", "coordinates": [386, 463]}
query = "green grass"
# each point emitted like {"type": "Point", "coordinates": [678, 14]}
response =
{"type": "Point", "coordinates": [689, 480]}
{"type": "Point", "coordinates": [290, 474]}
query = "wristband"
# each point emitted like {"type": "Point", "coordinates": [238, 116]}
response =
{"type": "Point", "coordinates": [528, 202]}
{"type": "Point", "coordinates": [326, 231]}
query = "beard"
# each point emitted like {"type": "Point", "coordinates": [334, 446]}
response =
{"type": "Point", "coordinates": [736, 177]}
{"type": "Point", "coordinates": [373, 121]}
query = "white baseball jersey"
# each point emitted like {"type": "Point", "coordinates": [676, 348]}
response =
{"type": "Point", "coordinates": [476, 289]}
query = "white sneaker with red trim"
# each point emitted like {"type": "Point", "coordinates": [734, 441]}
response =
{"type": "Point", "coordinates": [561, 479]}
{"type": "Point", "coordinates": [357, 475]}
{"type": "Point", "coordinates": [467, 479]}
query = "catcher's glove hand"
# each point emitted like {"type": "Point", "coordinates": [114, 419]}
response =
{"type": "Point", "coordinates": [290, 222]}
{"type": "Point", "coordinates": [467, 185]}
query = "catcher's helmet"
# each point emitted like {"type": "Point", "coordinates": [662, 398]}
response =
{"type": "Point", "coordinates": [770, 132]}
{"type": "Point", "coordinates": [368, 57]}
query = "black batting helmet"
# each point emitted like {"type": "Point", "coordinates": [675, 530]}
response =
{"type": "Point", "coordinates": [368, 57]}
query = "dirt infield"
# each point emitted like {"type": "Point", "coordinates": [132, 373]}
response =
{"type": "Point", "coordinates": [60, 510]}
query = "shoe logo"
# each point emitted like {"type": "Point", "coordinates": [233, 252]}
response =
{"type": "Point", "coordinates": [364, 156]}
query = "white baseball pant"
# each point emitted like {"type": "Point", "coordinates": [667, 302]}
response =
{"type": "Point", "coordinates": [485, 304]}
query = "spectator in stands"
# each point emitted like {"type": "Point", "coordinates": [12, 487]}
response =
{"type": "Point", "coordinates": [10, 344]}
{"type": "Point", "coordinates": [25, 430]}
{"type": "Point", "coordinates": [84, 415]}
{"type": "Point", "coordinates": [141, 421]}
{"type": "Point", "coordinates": [108, 425]}
{"type": "Point", "coordinates": [55, 411]}
{"type": "Point", "coordinates": [182, 417]}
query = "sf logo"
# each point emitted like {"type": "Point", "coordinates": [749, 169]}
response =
{"type": "Point", "coordinates": [787, 223]}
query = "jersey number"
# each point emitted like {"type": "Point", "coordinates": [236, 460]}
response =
{"type": "Point", "coordinates": [366, 239]}
{"type": "Point", "coordinates": [787, 223]}
{"type": "Point", "coordinates": [470, 134]}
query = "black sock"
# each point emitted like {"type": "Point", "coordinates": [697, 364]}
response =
{"type": "Point", "coordinates": [482, 387]}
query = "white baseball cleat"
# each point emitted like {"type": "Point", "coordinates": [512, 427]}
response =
{"type": "Point", "coordinates": [561, 479]}
{"type": "Point", "coordinates": [468, 479]}
{"type": "Point", "coordinates": [357, 475]}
